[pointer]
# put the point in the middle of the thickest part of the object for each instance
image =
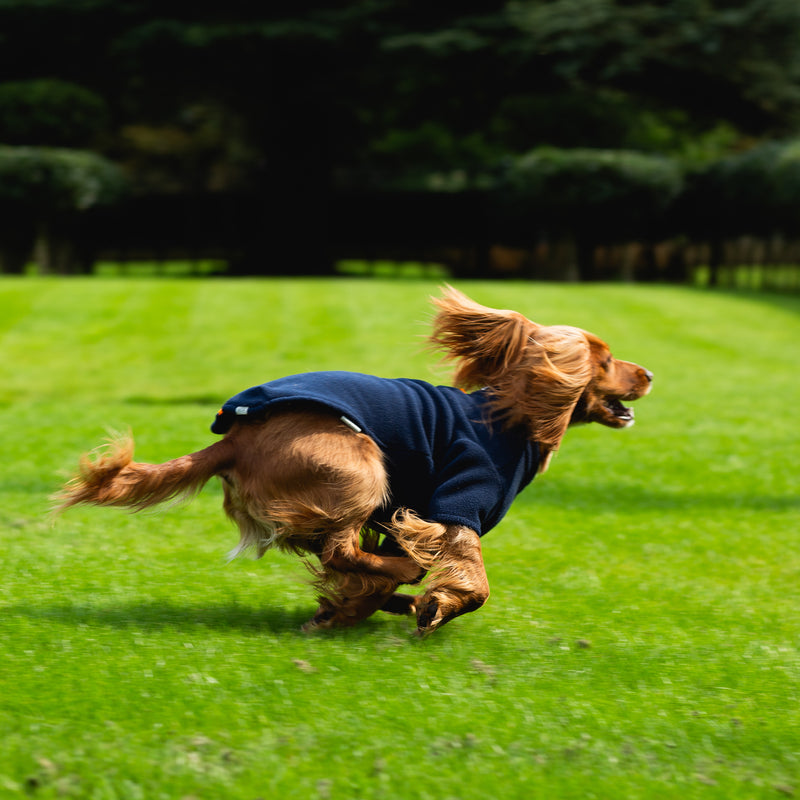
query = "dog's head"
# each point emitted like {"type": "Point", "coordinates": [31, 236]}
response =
{"type": "Point", "coordinates": [612, 382]}
{"type": "Point", "coordinates": [542, 377]}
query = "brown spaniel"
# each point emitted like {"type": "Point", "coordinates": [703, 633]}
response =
{"type": "Point", "coordinates": [387, 480]}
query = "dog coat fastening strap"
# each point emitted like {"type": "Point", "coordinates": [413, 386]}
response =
{"type": "Point", "coordinates": [350, 424]}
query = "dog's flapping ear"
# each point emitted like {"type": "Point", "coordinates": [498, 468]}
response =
{"type": "Point", "coordinates": [536, 372]}
{"type": "Point", "coordinates": [486, 342]}
{"type": "Point", "coordinates": [543, 394]}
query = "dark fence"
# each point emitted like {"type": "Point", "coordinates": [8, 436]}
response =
{"type": "Point", "coordinates": [578, 214]}
{"type": "Point", "coordinates": [463, 232]}
{"type": "Point", "coordinates": [248, 233]}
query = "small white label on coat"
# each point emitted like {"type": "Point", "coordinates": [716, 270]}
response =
{"type": "Point", "coordinates": [242, 410]}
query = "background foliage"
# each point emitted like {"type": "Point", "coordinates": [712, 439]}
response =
{"type": "Point", "coordinates": [294, 104]}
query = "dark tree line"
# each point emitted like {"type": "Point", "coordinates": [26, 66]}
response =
{"type": "Point", "coordinates": [291, 101]}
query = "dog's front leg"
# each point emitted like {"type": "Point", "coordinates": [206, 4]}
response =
{"type": "Point", "coordinates": [459, 584]}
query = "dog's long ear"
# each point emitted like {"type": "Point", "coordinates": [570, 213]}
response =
{"type": "Point", "coordinates": [486, 342]}
{"type": "Point", "coordinates": [543, 394]}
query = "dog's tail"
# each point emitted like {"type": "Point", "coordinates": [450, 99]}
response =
{"type": "Point", "coordinates": [111, 477]}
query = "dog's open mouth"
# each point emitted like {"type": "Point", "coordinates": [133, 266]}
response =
{"type": "Point", "coordinates": [619, 412]}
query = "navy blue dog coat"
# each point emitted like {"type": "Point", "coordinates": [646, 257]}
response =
{"type": "Point", "coordinates": [445, 459]}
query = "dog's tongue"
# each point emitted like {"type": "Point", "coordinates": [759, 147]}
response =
{"type": "Point", "coordinates": [621, 411]}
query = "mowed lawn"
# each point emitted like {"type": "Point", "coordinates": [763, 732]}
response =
{"type": "Point", "coordinates": [643, 633]}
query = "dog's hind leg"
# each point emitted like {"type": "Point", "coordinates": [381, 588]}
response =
{"type": "Point", "coordinates": [356, 579]}
{"type": "Point", "coordinates": [348, 598]}
{"type": "Point", "coordinates": [402, 604]}
{"type": "Point", "coordinates": [343, 553]}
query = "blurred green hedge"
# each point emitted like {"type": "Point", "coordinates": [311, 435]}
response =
{"type": "Point", "coordinates": [756, 192]}
{"type": "Point", "coordinates": [55, 178]}
{"type": "Point", "coordinates": [48, 112]}
{"type": "Point", "coordinates": [42, 193]}
{"type": "Point", "coordinates": [605, 194]}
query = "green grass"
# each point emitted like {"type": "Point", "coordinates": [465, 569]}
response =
{"type": "Point", "coordinates": [642, 636]}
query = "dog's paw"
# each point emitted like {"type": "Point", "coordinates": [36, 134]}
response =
{"type": "Point", "coordinates": [437, 609]}
{"type": "Point", "coordinates": [429, 617]}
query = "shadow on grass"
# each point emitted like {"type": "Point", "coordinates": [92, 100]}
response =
{"type": "Point", "coordinates": [786, 301]}
{"type": "Point", "coordinates": [161, 615]}
{"type": "Point", "coordinates": [595, 496]}
{"type": "Point", "coordinates": [178, 400]}
{"type": "Point", "coordinates": [165, 614]}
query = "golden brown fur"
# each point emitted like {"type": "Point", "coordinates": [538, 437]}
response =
{"type": "Point", "coordinates": [305, 481]}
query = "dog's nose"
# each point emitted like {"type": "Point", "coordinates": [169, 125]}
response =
{"type": "Point", "coordinates": [648, 375]}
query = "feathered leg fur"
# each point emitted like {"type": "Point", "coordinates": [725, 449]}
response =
{"type": "Point", "coordinates": [452, 553]}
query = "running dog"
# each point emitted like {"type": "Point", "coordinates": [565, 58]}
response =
{"type": "Point", "coordinates": [382, 481]}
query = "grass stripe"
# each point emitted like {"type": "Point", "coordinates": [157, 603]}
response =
{"type": "Point", "coordinates": [641, 639]}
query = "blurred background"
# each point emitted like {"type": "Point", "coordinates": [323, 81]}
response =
{"type": "Point", "coordinates": [546, 139]}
